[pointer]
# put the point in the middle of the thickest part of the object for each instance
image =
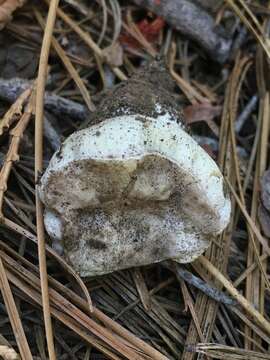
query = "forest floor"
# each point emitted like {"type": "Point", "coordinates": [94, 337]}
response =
{"type": "Point", "coordinates": [218, 54]}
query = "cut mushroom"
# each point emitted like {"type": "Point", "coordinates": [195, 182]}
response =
{"type": "Point", "coordinates": [133, 190]}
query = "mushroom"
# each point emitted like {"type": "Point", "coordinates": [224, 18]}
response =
{"type": "Point", "coordinates": [131, 190]}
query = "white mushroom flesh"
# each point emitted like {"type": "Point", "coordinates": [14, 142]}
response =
{"type": "Point", "coordinates": [130, 191]}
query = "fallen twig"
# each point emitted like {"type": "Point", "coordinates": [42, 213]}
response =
{"type": "Point", "coordinates": [11, 89]}
{"type": "Point", "coordinates": [251, 105]}
{"type": "Point", "coordinates": [15, 110]}
{"type": "Point", "coordinates": [12, 154]}
{"type": "Point", "coordinates": [247, 17]}
{"type": "Point", "coordinates": [194, 22]}
{"type": "Point", "coordinates": [193, 280]}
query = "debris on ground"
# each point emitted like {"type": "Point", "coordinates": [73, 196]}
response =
{"type": "Point", "coordinates": [217, 52]}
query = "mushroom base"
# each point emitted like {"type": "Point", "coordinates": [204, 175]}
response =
{"type": "Point", "coordinates": [100, 241]}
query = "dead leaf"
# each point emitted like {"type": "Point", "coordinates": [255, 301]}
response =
{"type": "Point", "coordinates": [201, 112]}
{"type": "Point", "coordinates": [7, 7]}
{"type": "Point", "coordinates": [150, 29]}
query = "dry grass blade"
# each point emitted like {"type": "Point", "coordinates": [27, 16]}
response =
{"type": "Point", "coordinates": [253, 249]}
{"type": "Point", "coordinates": [41, 82]}
{"type": "Point", "coordinates": [29, 292]}
{"type": "Point", "coordinates": [257, 281]}
{"type": "Point", "coordinates": [70, 310]}
{"type": "Point", "coordinates": [250, 222]}
{"type": "Point", "coordinates": [20, 230]}
{"type": "Point", "coordinates": [218, 253]}
{"type": "Point", "coordinates": [142, 288]}
{"type": "Point", "coordinates": [88, 40]}
{"type": "Point", "coordinates": [252, 325]}
{"type": "Point", "coordinates": [14, 315]}
{"type": "Point", "coordinates": [69, 66]}
{"type": "Point", "coordinates": [7, 350]}
{"type": "Point", "coordinates": [191, 93]}
{"type": "Point", "coordinates": [235, 294]}
{"type": "Point", "coordinates": [68, 294]}
{"type": "Point", "coordinates": [217, 351]}
{"type": "Point", "coordinates": [249, 269]}
{"type": "Point", "coordinates": [7, 353]}
{"type": "Point", "coordinates": [246, 15]}
{"type": "Point", "coordinates": [190, 305]}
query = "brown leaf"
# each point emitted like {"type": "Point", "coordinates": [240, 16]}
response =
{"type": "Point", "coordinates": [201, 112]}
{"type": "Point", "coordinates": [7, 7]}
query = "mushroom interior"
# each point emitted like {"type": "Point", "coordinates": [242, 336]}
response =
{"type": "Point", "coordinates": [132, 191]}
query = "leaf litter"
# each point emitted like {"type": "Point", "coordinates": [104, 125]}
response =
{"type": "Point", "coordinates": [148, 313]}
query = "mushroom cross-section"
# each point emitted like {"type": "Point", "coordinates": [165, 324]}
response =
{"type": "Point", "coordinates": [132, 190]}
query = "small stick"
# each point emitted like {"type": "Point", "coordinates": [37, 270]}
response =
{"type": "Point", "coordinates": [11, 89]}
{"type": "Point", "coordinates": [12, 154]}
{"type": "Point", "coordinates": [193, 280]}
{"type": "Point", "coordinates": [194, 22]}
{"type": "Point", "coordinates": [240, 121]}
{"type": "Point", "coordinates": [15, 110]}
